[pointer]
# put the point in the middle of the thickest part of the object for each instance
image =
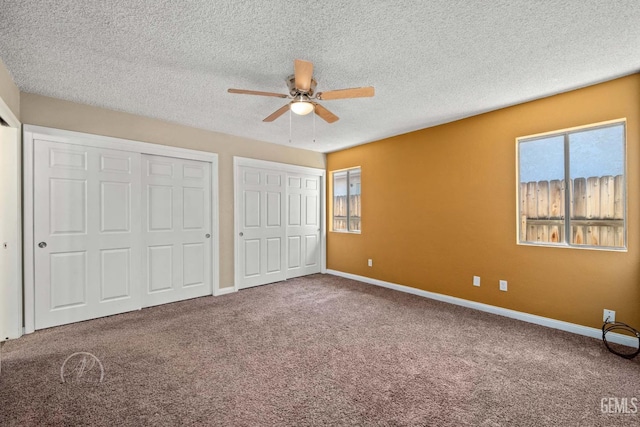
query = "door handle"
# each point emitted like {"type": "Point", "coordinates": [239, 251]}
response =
{"type": "Point", "coordinates": [207, 235]}
{"type": "Point", "coordinates": [241, 234]}
{"type": "Point", "coordinates": [42, 245]}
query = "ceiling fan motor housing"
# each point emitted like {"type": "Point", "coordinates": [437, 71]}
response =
{"type": "Point", "coordinates": [291, 84]}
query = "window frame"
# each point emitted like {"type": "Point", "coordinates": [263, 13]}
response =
{"type": "Point", "coordinates": [565, 133]}
{"type": "Point", "coordinates": [333, 206]}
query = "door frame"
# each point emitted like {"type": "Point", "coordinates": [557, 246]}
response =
{"type": "Point", "coordinates": [31, 133]}
{"type": "Point", "coordinates": [12, 306]}
{"type": "Point", "coordinates": [279, 167]}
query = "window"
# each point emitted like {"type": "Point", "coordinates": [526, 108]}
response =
{"type": "Point", "coordinates": [572, 187]}
{"type": "Point", "coordinates": [346, 200]}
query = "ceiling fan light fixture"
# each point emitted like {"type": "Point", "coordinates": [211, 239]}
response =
{"type": "Point", "coordinates": [301, 105]}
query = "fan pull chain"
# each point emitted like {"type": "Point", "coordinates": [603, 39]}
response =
{"type": "Point", "coordinates": [289, 125]}
{"type": "Point", "coordinates": [314, 124]}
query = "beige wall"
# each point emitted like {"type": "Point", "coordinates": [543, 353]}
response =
{"type": "Point", "coordinates": [439, 206]}
{"type": "Point", "coordinates": [56, 113]}
{"type": "Point", "coordinates": [9, 92]}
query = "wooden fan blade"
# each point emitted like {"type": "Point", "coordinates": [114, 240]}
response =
{"type": "Point", "coordinates": [256, 92]}
{"type": "Point", "coordinates": [303, 71]}
{"type": "Point", "coordinates": [325, 114]}
{"type": "Point", "coordinates": [277, 113]}
{"type": "Point", "coordinates": [356, 92]}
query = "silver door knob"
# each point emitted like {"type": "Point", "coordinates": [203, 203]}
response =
{"type": "Point", "coordinates": [207, 235]}
{"type": "Point", "coordinates": [42, 245]}
{"type": "Point", "coordinates": [241, 234]}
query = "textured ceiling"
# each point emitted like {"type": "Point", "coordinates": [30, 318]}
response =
{"type": "Point", "coordinates": [431, 62]}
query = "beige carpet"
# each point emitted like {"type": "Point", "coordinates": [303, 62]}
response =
{"type": "Point", "coordinates": [314, 351]}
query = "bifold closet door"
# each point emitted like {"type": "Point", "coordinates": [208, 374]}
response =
{"type": "Point", "coordinates": [261, 239]}
{"type": "Point", "coordinates": [10, 234]}
{"type": "Point", "coordinates": [303, 225]}
{"type": "Point", "coordinates": [87, 232]}
{"type": "Point", "coordinates": [176, 224]}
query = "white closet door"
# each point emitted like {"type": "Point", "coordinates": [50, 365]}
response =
{"type": "Point", "coordinates": [261, 243]}
{"type": "Point", "coordinates": [176, 223]}
{"type": "Point", "coordinates": [303, 225]}
{"type": "Point", "coordinates": [10, 236]}
{"type": "Point", "coordinates": [87, 232]}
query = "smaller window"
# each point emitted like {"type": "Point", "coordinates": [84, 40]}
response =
{"type": "Point", "coordinates": [347, 200]}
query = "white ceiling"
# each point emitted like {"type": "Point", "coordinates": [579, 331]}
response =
{"type": "Point", "coordinates": [431, 62]}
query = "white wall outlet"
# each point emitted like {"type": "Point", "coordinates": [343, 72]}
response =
{"type": "Point", "coordinates": [476, 280]}
{"type": "Point", "coordinates": [370, 262]}
{"type": "Point", "coordinates": [503, 285]}
{"type": "Point", "coordinates": [609, 316]}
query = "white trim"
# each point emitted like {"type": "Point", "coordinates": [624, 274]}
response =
{"type": "Point", "coordinates": [323, 221]}
{"type": "Point", "coordinates": [518, 315]}
{"type": "Point", "coordinates": [215, 226]}
{"type": "Point", "coordinates": [573, 129]}
{"type": "Point", "coordinates": [32, 133]}
{"type": "Point", "coordinates": [345, 169]}
{"type": "Point", "coordinates": [224, 291]}
{"type": "Point", "coordinates": [99, 141]}
{"type": "Point", "coordinates": [281, 167]}
{"type": "Point", "coordinates": [27, 234]}
{"type": "Point", "coordinates": [236, 227]}
{"type": "Point", "coordinates": [286, 167]}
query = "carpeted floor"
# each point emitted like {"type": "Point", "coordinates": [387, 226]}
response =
{"type": "Point", "coordinates": [314, 351]}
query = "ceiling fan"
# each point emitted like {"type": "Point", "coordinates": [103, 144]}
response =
{"type": "Point", "coordinates": [302, 88]}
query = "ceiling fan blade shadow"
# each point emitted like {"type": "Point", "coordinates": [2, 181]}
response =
{"type": "Point", "coordinates": [325, 114]}
{"type": "Point", "coordinates": [303, 71]}
{"type": "Point", "coordinates": [356, 92]}
{"type": "Point", "coordinates": [277, 113]}
{"type": "Point", "coordinates": [257, 92]}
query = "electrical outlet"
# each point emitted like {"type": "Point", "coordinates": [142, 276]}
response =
{"type": "Point", "coordinates": [370, 262]}
{"type": "Point", "coordinates": [476, 280]}
{"type": "Point", "coordinates": [503, 285]}
{"type": "Point", "coordinates": [609, 316]}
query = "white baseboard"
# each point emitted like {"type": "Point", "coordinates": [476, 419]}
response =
{"type": "Point", "coordinates": [224, 291]}
{"type": "Point", "coordinates": [525, 317]}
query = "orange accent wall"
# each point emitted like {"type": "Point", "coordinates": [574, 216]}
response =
{"type": "Point", "coordinates": [439, 206]}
